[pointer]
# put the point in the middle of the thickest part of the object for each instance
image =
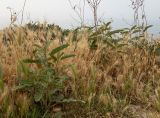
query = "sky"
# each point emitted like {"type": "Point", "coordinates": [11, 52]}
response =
{"type": "Point", "coordinates": [60, 12]}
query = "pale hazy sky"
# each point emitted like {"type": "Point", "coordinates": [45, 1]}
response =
{"type": "Point", "coordinates": [60, 12]}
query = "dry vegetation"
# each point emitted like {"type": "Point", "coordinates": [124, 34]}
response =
{"type": "Point", "coordinates": [107, 77]}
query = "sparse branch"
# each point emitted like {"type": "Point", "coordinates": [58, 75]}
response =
{"type": "Point", "coordinates": [94, 6]}
{"type": "Point", "coordinates": [79, 9]}
{"type": "Point", "coordinates": [139, 12]}
{"type": "Point", "coordinates": [13, 16]}
{"type": "Point", "coordinates": [23, 11]}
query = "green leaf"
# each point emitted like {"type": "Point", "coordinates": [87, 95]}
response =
{"type": "Point", "coordinates": [24, 84]}
{"type": "Point", "coordinates": [47, 43]}
{"type": "Point", "coordinates": [58, 49]}
{"type": "Point", "coordinates": [115, 32]}
{"type": "Point", "coordinates": [147, 27]}
{"type": "Point", "coordinates": [157, 51]}
{"type": "Point", "coordinates": [137, 37]}
{"type": "Point", "coordinates": [24, 68]}
{"type": "Point", "coordinates": [39, 93]}
{"type": "Point", "coordinates": [132, 28]}
{"type": "Point", "coordinates": [31, 61]}
{"type": "Point", "coordinates": [109, 43]}
{"type": "Point", "coordinates": [136, 31]}
{"type": "Point", "coordinates": [1, 84]}
{"type": "Point", "coordinates": [125, 32]}
{"type": "Point", "coordinates": [20, 87]}
{"type": "Point", "coordinates": [53, 57]}
{"type": "Point", "coordinates": [27, 82]}
{"type": "Point", "coordinates": [107, 24]}
{"type": "Point", "coordinates": [67, 56]}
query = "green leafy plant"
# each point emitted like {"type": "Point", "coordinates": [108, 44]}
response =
{"type": "Point", "coordinates": [45, 84]}
{"type": "Point", "coordinates": [104, 34]}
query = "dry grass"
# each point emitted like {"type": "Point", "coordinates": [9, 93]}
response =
{"type": "Point", "coordinates": [114, 82]}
